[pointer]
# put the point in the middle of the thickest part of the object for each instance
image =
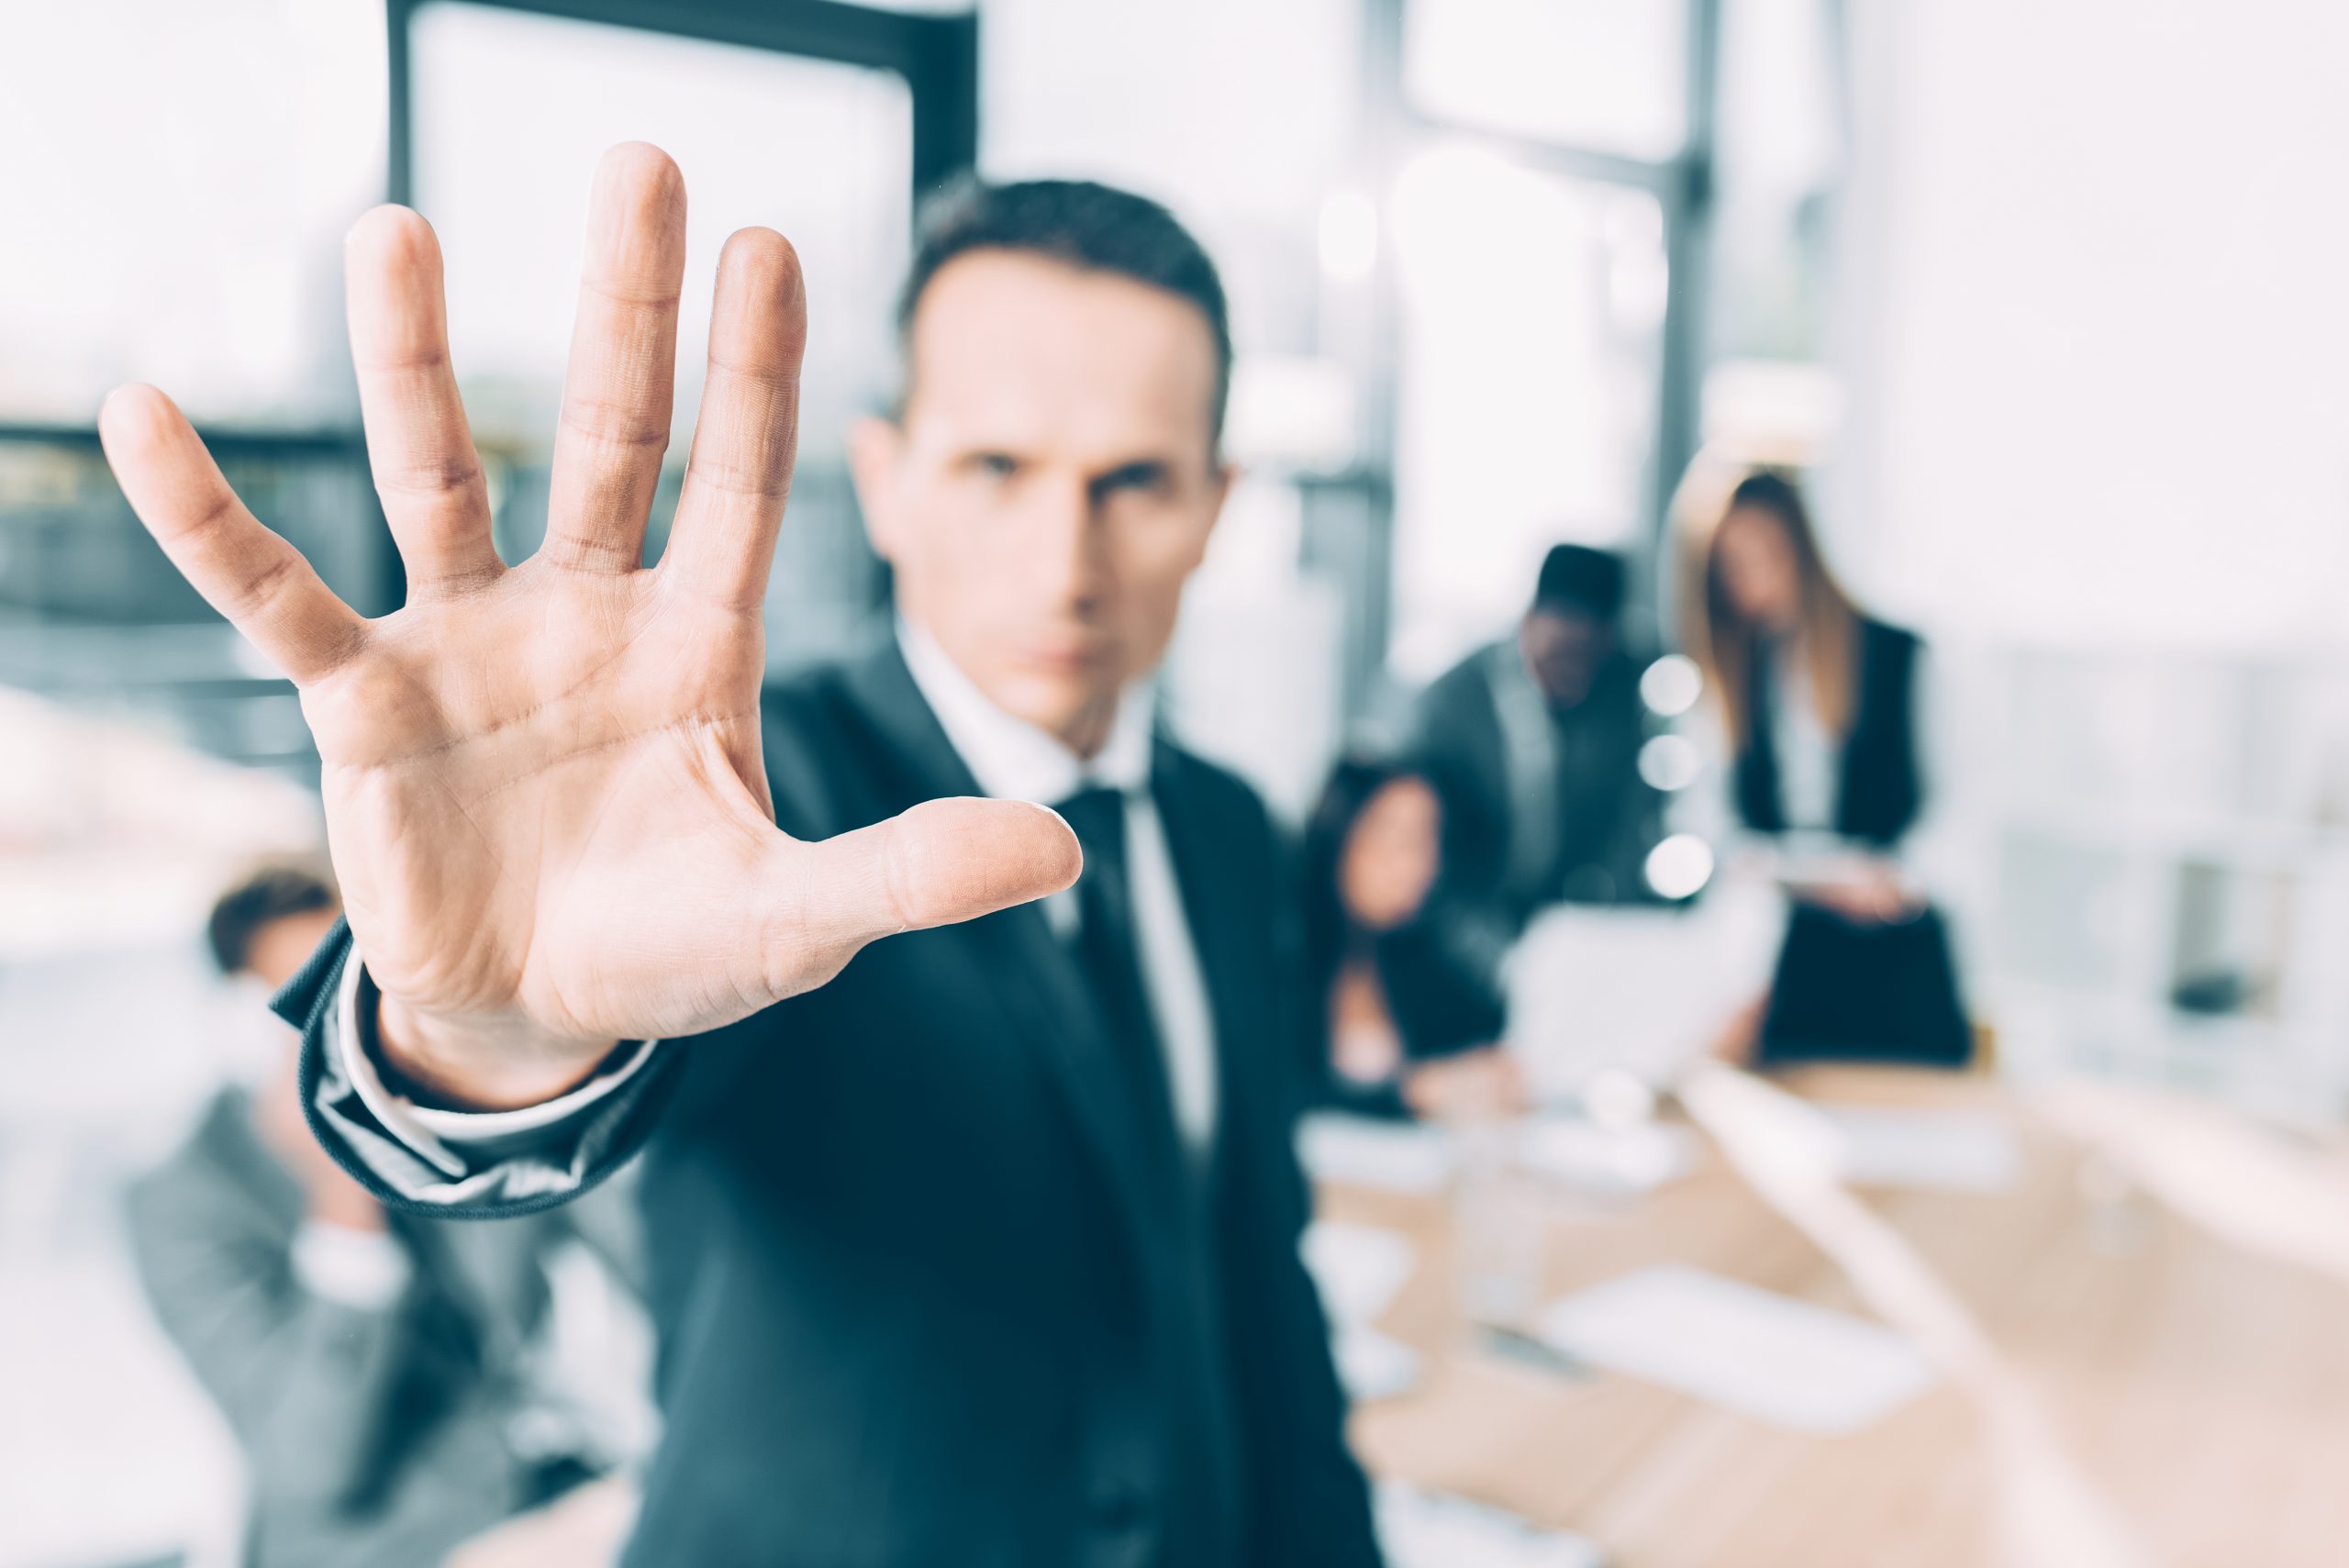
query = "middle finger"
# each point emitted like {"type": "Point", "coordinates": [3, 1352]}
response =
{"type": "Point", "coordinates": [617, 394]}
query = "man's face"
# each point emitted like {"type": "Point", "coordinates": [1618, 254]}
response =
{"type": "Point", "coordinates": [1051, 483]}
{"type": "Point", "coordinates": [1566, 649]}
{"type": "Point", "coordinates": [280, 948]}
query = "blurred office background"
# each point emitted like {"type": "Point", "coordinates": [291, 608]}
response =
{"type": "Point", "coordinates": [2046, 298]}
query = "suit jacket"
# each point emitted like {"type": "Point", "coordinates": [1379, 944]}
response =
{"type": "Point", "coordinates": [371, 1438]}
{"type": "Point", "coordinates": [926, 1295]}
{"type": "Point", "coordinates": [1603, 816]}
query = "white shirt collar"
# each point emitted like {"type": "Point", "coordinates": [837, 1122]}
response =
{"type": "Point", "coordinates": [1012, 759]}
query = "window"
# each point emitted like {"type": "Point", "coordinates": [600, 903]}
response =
{"type": "Point", "coordinates": [815, 121]}
{"type": "Point", "coordinates": [1532, 308]}
{"type": "Point", "coordinates": [1545, 197]}
{"type": "Point", "coordinates": [511, 111]}
{"type": "Point", "coordinates": [1605, 74]}
{"type": "Point", "coordinates": [177, 181]}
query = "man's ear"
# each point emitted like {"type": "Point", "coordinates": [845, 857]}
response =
{"type": "Point", "coordinates": [1227, 474]}
{"type": "Point", "coordinates": [875, 445]}
{"type": "Point", "coordinates": [1220, 483]}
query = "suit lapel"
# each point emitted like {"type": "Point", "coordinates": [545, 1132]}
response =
{"type": "Point", "coordinates": [1030, 971]}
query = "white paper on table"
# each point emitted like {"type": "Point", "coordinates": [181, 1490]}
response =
{"type": "Point", "coordinates": [1357, 1152]}
{"type": "Point", "coordinates": [1761, 1354]}
{"type": "Point", "coordinates": [1357, 1268]}
{"type": "Point", "coordinates": [1634, 990]}
{"type": "Point", "coordinates": [1942, 1150]}
{"type": "Point", "coordinates": [1626, 1160]}
{"type": "Point", "coordinates": [1436, 1529]}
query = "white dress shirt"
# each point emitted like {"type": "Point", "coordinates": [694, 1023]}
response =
{"type": "Point", "coordinates": [1012, 759]}
{"type": "Point", "coordinates": [368, 1269]}
{"type": "Point", "coordinates": [1810, 756]}
{"type": "Point", "coordinates": [1529, 744]}
{"type": "Point", "coordinates": [1810, 761]}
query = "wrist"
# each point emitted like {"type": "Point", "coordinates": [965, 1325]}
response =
{"type": "Point", "coordinates": [476, 1066]}
{"type": "Point", "coordinates": [345, 1206]}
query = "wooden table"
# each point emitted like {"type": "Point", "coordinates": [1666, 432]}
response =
{"type": "Point", "coordinates": [2202, 1391]}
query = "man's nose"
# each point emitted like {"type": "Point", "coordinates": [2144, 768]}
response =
{"type": "Point", "coordinates": [1067, 544]}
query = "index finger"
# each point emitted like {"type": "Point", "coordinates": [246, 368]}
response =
{"type": "Point", "coordinates": [248, 573]}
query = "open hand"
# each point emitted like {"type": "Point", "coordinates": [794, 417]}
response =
{"type": "Point", "coordinates": [544, 792]}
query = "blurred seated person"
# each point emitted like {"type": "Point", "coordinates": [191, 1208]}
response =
{"type": "Point", "coordinates": [1819, 712]}
{"type": "Point", "coordinates": [1532, 744]}
{"type": "Point", "coordinates": [399, 1388]}
{"type": "Point", "coordinates": [1408, 1027]}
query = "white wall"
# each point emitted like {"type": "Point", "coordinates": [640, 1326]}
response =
{"type": "Point", "coordinates": [2096, 310]}
{"type": "Point", "coordinates": [173, 191]}
{"type": "Point", "coordinates": [1238, 114]}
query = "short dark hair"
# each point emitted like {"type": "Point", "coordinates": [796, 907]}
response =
{"type": "Point", "coordinates": [1090, 226]}
{"type": "Point", "coordinates": [1578, 580]}
{"type": "Point", "coordinates": [269, 893]}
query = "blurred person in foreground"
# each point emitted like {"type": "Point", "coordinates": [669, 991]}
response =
{"type": "Point", "coordinates": [1821, 735]}
{"type": "Point", "coordinates": [1532, 743]}
{"type": "Point", "coordinates": [398, 1387]}
{"type": "Point", "coordinates": [1404, 1028]}
{"type": "Point", "coordinates": [986, 1251]}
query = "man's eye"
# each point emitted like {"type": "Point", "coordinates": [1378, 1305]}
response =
{"type": "Point", "coordinates": [996, 465]}
{"type": "Point", "coordinates": [1135, 478]}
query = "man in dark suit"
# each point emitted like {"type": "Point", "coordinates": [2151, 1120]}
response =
{"type": "Point", "coordinates": [1532, 743]}
{"type": "Point", "coordinates": [985, 1252]}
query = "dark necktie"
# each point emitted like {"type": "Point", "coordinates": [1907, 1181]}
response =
{"type": "Point", "coordinates": [1110, 956]}
{"type": "Point", "coordinates": [1195, 1357]}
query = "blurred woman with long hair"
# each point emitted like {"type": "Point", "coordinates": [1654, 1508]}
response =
{"type": "Point", "coordinates": [1818, 706]}
{"type": "Point", "coordinates": [1407, 1018]}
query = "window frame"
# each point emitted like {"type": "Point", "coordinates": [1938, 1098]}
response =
{"type": "Point", "coordinates": [936, 55]}
{"type": "Point", "coordinates": [1395, 129]}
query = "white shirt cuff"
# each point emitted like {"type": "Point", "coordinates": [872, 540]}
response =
{"type": "Point", "coordinates": [433, 1133]}
{"type": "Point", "coordinates": [361, 1269]}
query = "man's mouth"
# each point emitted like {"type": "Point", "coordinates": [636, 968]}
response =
{"type": "Point", "coordinates": [1067, 654]}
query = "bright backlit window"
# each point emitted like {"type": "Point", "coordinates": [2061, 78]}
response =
{"type": "Point", "coordinates": [1533, 305]}
{"type": "Point", "coordinates": [1605, 74]}
{"type": "Point", "coordinates": [511, 111]}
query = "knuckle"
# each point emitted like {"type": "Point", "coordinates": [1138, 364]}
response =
{"type": "Point", "coordinates": [618, 291]}
{"type": "Point", "coordinates": [215, 524]}
{"type": "Point", "coordinates": [792, 957]}
{"type": "Point", "coordinates": [914, 883]}
{"type": "Point", "coordinates": [266, 588]}
{"type": "Point", "coordinates": [616, 424]}
{"type": "Point", "coordinates": [573, 549]}
{"type": "Point", "coordinates": [431, 476]}
{"type": "Point", "coordinates": [766, 477]}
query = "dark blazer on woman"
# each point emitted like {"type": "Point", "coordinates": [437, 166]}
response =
{"type": "Point", "coordinates": [1846, 988]}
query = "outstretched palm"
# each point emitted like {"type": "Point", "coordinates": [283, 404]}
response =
{"type": "Point", "coordinates": [543, 788]}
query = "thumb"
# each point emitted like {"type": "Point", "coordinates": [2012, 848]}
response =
{"type": "Point", "coordinates": [940, 863]}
